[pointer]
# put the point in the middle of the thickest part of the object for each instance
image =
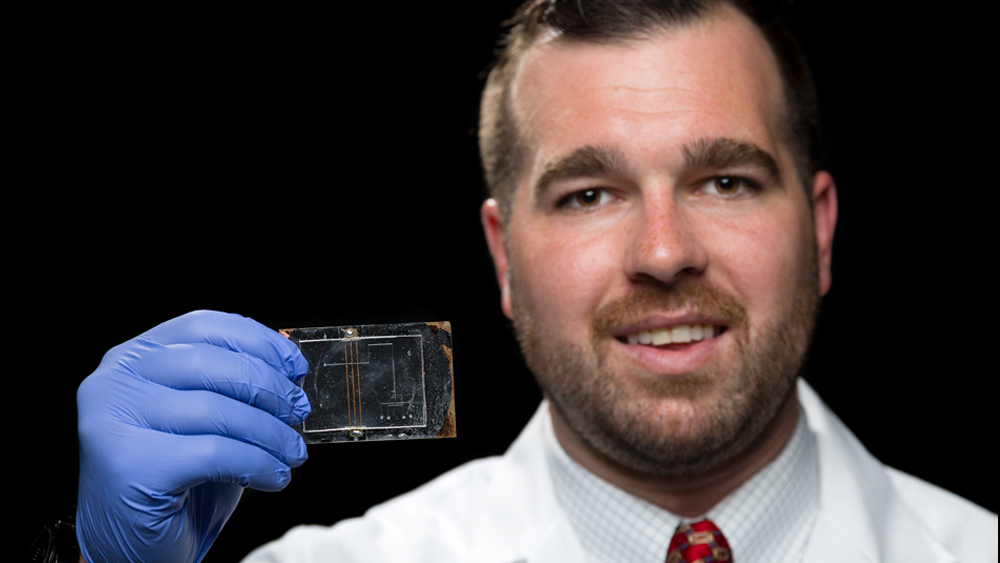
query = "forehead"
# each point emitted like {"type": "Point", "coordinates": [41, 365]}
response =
{"type": "Point", "coordinates": [712, 78]}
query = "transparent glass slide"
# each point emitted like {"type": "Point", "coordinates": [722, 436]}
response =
{"type": "Point", "coordinates": [377, 382]}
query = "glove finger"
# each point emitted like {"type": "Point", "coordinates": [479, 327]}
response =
{"type": "Point", "coordinates": [235, 333]}
{"type": "Point", "coordinates": [206, 367]}
{"type": "Point", "coordinates": [192, 413]}
{"type": "Point", "coordinates": [209, 459]}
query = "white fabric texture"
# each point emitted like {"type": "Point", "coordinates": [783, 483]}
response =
{"type": "Point", "coordinates": [766, 520]}
{"type": "Point", "coordinates": [504, 510]}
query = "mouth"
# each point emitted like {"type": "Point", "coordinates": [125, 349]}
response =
{"type": "Point", "coordinates": [671, 335]}
{"type": "Point", "coordinates": [672, 344]}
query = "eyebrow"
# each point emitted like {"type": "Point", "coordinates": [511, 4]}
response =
{"type": "Point", "coordinates": [722, 153]}
{"type": "Point", "coordinates": [584, 161]}
{"type": "Point", "coordinates": [712, 153]}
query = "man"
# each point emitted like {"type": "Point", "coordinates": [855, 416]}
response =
{"type": "Point", "coordinates": [661, 240]}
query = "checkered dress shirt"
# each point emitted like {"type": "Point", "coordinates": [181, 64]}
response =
{"type": "Point", "coordinates": [767, 519]}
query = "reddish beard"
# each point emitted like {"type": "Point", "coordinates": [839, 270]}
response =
{"type": "Point", "coordinates": [668, 425]}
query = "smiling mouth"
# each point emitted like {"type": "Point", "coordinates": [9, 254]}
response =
{"type": "Point", "coordinates": [680, 334]}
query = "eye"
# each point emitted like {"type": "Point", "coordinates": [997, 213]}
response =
{"type": "Point", "coordinates": [728, 186]}
{"type": "Point", "coordinates": [586, 199]}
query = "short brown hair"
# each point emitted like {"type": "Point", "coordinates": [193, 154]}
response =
{"type": "Point", "coordinates": [609, 21]}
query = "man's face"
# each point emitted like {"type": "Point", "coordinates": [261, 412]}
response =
{"type": "Point", "coordinates": [659, 198]}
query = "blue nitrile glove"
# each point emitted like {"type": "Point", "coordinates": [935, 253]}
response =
{"type": "Point", "coordinates": [173, 424]}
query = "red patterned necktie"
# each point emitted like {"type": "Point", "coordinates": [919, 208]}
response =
{"type": "Point", "coordinates": [698, 542]}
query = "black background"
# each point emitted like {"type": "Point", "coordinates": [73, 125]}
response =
{"type": "Point", "coordinates": [169, 160]}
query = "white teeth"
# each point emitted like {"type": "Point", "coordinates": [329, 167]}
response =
{"type": "Point", "coordinates": [681, 333]}
{"type": "Point", "coordinates": [674, 335]}
{"type": "Point", "coordinates": [661, 336]}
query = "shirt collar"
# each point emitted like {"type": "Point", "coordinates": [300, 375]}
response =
{"type": "Point", "coordinates": [768, 518]}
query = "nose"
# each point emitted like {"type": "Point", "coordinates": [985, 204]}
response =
{"type": "Point", "coordinates": [665, 246]}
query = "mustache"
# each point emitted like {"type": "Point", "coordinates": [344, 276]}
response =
{"type": "Point", "coordinates": [646, 301]}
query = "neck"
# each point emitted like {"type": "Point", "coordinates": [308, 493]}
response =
{"type": "Point", "coordinates": [686, 496]}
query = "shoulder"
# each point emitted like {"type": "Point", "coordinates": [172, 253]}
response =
{"type": "Point", "coordinates": [444, 506]}
{"type": "Point", "coordinates": [869, 510]}
{"type": "Point", "coordinates": [964, 527]}
{"type": "Point", "coordinates": [487, 505]}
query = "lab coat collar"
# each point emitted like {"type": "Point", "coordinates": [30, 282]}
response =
{"type": "Point", "coordinates": [547, 536]}
{"type": "Point", "coordinates": [862, 518]}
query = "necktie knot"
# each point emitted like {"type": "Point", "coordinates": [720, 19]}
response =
{"type": "Point", "coordinates": [698, 542]}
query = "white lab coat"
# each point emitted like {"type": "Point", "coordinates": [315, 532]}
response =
{"type": "Point", "coordinates": [504, 510]}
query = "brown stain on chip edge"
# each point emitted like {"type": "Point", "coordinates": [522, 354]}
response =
{"type": "Point", "coordinates": [448, 429]}
{"type": "Point", "coordinates": [441, 325]}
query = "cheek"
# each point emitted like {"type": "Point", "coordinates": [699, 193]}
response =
{"type": "Point", "coordinates": [764, 261]}
{"type": "Point", "coordinates": [566, 273]}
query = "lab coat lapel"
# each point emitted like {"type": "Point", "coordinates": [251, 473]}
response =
{"type": "Point", "coordinates": [559, 544]}
{"type": "Point", "coordinates": [862, 518]}
{"type": "Point", "coordinates": [525, 523]}
{"type": "Point", "coordinates": [549, 542]}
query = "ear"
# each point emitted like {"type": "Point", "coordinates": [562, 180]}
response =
{"type": "Point", "coordinates": [824, 194]}
{"type": "Point", "coordinates": [494, 227]}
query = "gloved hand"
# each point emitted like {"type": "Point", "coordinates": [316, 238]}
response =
{"type": "Point", "coordinates": [173, 424]}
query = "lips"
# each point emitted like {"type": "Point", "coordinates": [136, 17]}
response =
{"type": "Point", "coordinates": [677, 330]}
{"type": "Point", "coordinates": [677, 334]}
{"type": "Point", "coordinates": [672, 346]}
